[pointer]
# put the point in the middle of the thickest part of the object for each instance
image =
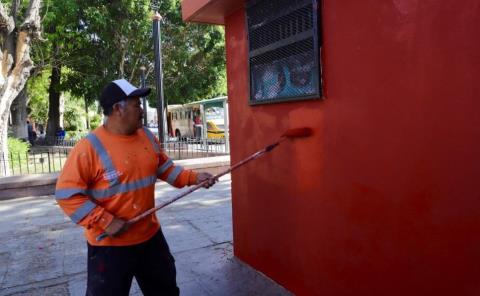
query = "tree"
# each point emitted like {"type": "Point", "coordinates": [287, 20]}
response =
{"type": "Point", "coordinates": [117, 41]}
{"type": "Point", "coordinates": [91, 42]}
{"type": "Point", "coordinates": [15, 65]}
{"type": "Point", "coordinates": [57, 53]}
{"type": "Point", "coordinates": [193, 55]}
{"type": "Point", "coordinates": [37, 88]}
{"type": "Point", "coordinates": [18, 111]}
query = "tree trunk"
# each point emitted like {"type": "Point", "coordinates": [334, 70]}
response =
{"type": "Point", "coordinates": [54, 97]}
{"type": "Point", "coordinates": [4, 163]}
{"type": "Point", "coordinates": [19, 115]}
{"type": "Point", "coordinates": [15, 64]}
{"type": "Point", "coordinates": [61, 109]}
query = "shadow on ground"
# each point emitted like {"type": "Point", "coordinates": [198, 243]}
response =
{"type": "Point", "coordinates": [44, 253]}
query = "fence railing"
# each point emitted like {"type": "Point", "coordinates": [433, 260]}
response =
{"type": "Point", "coordinates": [49, 160]}
{"type": "Point", "coordinates": [55, 141]}
{"type": "Point", "coordinates": [33, 162]}
{"type": "Point", "coordinates": [195, 148]}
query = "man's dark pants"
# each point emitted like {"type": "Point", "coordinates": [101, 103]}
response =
{"type": "Point", "coordinates": [111, 269]}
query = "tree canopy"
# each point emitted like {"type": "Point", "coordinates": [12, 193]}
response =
{"type": "Point", "coordinates": [105, 40]}
{"type": "Point", "coordinates": [72, 48]}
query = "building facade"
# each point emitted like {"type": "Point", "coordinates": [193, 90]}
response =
{"type": "Point", "coordinates": [383, 199]}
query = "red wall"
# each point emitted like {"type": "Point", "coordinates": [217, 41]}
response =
{"type": "Point", "coordinates": [384, 199]}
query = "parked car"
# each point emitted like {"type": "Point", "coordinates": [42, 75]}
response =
{"type": "Point", "coordinates": [214, 130]}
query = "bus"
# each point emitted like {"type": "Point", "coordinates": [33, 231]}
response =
{"type": "Point", "coordinates": [180, 121]}
{"type": "Point", "coordinates": [199, 120]}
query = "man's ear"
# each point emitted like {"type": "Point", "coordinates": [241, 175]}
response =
{"type": "Point", "coordinates": [117, 108]}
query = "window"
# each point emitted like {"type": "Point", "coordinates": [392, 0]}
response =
{"type": "Point", "coordinates": [284, 50]}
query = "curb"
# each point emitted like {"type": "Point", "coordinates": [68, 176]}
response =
{"type": "Point", "coordinates": [44, 184]}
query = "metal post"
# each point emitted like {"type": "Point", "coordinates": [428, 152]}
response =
{"type": "Point", "coordinates": [204, 127]}
{"type": "Point", "coordinates": [28, 169]}
{"type": "Point", "coordinates": [42, 161]}
{"type": "Point", "coordinates": [60, 159]}
{"type": "Point", "coordinates": [19, 162]}
{"type": "Point", "coordinates": [34, 163]}
{"type": "Point", "coordinates": [49, 168]}
{"type": "Point", "coordinates": [4, 164]}
{"type": "Point", "coordinates": [226, 125]}
{"type": "Point", "coordinates": [53, 162]}
{"type": "Point", "coordinates": [11, 163]}
{"type": "Point", "coordinates": [144, 99]}
{"type": "Point", "coordinates": [158, 76]}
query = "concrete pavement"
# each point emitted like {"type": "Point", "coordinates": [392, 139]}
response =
{"type": "Point", "coordinates": [44, 253]}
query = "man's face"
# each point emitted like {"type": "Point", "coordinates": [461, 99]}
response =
{"type": "Point", "coordinates": [131, 114]}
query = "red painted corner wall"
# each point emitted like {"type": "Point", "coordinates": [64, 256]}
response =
{"type": "Point", "coordinates": [384, 199]}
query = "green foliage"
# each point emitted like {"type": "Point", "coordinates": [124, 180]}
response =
{"type": "Point", "coordinates": [37, 89]}
{"type": "Point", "coordinates": [73, 116]}
{"type": "Point", "coordinates": [16, 146]}
{"type": "Point", "coordinates": [111, 47]}
{"type": "Point", "coordinates": [193, 57]}
{"type": "Point", "coordinates": [96, 41]}
{"type": "Point", "coordinates": [112, 44]}
{"type": "Point", "coordinates": [23, 162]}
{"type": "Point", "coordinates": [18, 152]}
{"type": "Point", "coordinates": [95, 121]}
{"type": "Point", "coordinates": [75, 135]}
{"type": "Point", "coordinates": [60, 35]}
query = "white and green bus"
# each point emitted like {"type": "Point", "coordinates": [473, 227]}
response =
{"type": "Point", "coordinates": [201, 119]}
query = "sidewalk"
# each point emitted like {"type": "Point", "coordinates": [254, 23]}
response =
{"type": "Point", "coordinates": [44, 184]}
{"type": "Point", "coordinates": [44, 253]}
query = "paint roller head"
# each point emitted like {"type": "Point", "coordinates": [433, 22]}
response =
{"type": "Point", "coordinates": [301, 132]}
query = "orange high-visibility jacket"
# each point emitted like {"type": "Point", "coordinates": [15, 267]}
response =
{"type": "Point", "coordinates": [108, 175]}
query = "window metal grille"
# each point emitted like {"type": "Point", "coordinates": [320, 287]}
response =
{"type": "Point", "coordinates": [284, 41]}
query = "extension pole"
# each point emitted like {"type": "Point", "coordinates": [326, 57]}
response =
{"type": "Point", "coordinates": [289, 134]}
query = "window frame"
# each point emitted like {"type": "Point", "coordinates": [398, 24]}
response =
{"type": "Point", "coordinates": [317, 49]}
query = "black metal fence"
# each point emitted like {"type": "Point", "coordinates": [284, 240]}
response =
{"type": "Point", "coordinates": [43, 158]}
{"type": "Point", "coordinates": [195, 148]}
{"type": "Point", "coordinates": [33, 162]}
{"type": "Point", "coordinates": [55, 141]}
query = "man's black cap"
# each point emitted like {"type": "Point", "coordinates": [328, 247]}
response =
{"type": "Point", "coordinates": [119, 90]}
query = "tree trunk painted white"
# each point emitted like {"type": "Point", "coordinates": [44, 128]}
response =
{"type": "Point", "coordinates": [61, 109]}
{"type": "Point", "coordinates": [4, 165]}
{"type": "Point", "coordinates": [15, 63]}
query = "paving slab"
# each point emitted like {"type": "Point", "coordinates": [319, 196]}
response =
{"type": "Point", "coordinates": [44, 253]}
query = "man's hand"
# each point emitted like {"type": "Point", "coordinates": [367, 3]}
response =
{"type": "Point", "coordinates": [206, 176]}
{"type": "Point", "coordinates": [117, 227]}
